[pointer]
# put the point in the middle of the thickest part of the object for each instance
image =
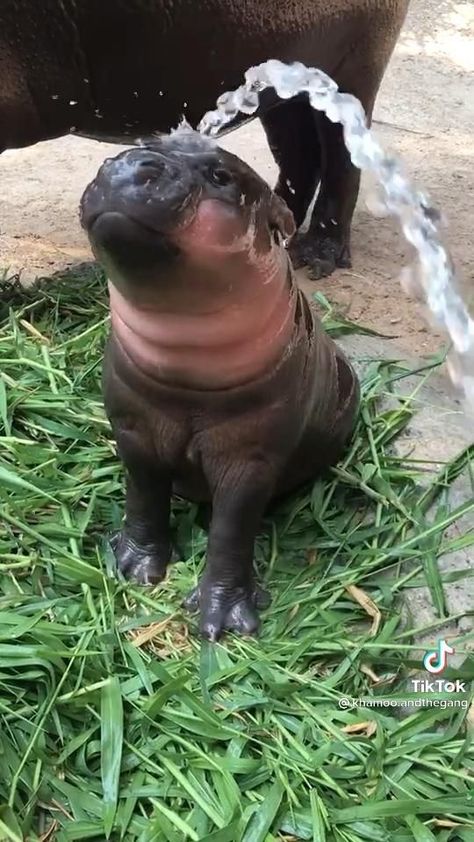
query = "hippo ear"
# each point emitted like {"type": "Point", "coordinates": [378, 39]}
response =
{"type": "Point", "coordinates": [281, 217]}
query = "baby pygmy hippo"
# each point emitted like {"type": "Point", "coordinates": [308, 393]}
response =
{"type": "Point", "coordinates": [219, 381]}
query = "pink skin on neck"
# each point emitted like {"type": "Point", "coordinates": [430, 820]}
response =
{"type": "Point", "coordinates": [224, 317]}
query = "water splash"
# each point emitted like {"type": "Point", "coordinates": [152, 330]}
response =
{"type": "Point", "coordinates": [432, 279]}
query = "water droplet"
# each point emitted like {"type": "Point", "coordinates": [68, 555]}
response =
{"type": "Point", "coordinates": [377, 205]}
{"type": "Point", "coordinates": [409, 281]}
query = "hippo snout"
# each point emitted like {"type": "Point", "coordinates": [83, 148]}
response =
{"type": "Point", "coordinates": [142, 184]}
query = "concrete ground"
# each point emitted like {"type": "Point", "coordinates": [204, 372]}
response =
{"type": "Point", "coordinates": [424, 113]}
{"type": "Point", "coordinates": [438, 432]}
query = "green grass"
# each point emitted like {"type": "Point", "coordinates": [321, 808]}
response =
{"type": "Point", "coordinates": [118, 723]}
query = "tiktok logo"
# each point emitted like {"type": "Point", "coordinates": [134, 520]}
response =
{"type": "Point", "coordinates": [436, 660]}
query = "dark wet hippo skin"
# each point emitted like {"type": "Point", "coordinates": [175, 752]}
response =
{"type": "Point", "coordinates": [219, 381]}
{"type": "Point", "coordinates": [114, 69]}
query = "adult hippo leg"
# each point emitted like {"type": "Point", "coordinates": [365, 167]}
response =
{"type": "Point", "coordinates": [320, 155]}
{"type": "Point", "coordinates": [227, 595]}
{"type": "Point", "coordinates": [359, 71]}
{"type": "Point", "coordinates": [326, 244]}
{"type": "Point", "coordinates": [293, 137]}
{"type": "Point", "coordinates": [309, 149]}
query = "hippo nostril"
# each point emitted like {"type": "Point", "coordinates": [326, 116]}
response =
{"type": "Point", "coordinates": [150, 169]}
{"type": "Point", "coordinates": [153, 165]}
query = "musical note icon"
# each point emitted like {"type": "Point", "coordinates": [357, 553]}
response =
{"type": "Point", "coordinates": [436, 660]}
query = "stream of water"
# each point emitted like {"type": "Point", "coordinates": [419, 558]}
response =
{"type": "Point", "coordinates": [432, 278]}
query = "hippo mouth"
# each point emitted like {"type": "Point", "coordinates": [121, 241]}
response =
{"type": "Point", "coordinates": [180, 212]}
{"type": "Point", "coordinates": [205, 228]}
{"type": "Point", "coordinates": [118, 236]}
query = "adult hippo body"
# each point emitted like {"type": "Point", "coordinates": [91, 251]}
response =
{"type": "Point", "coordinates": [219, 382]}
{"type": "Point", "coordinates": [119, 69]}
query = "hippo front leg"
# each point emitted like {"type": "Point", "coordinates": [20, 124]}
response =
{"type": "Point", "coordinates": [143, 547]}
{"type": "Point", "coordinates": [227, 595]}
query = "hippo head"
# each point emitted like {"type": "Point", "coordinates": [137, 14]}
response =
{"type": "Point", "coordinates": [181, 216]}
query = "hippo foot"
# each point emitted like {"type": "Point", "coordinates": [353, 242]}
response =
{"type": "Point", "coordinates": [226, 608]}
{"type": "Point", "coordinates": [144, 563]}
{"type": "Point", "coordinates": [321, 253]}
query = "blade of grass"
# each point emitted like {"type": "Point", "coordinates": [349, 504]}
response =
{"type": "Point", "coordinates": [111, 739]}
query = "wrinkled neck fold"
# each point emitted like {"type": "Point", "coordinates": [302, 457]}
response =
{"type": "Point", "coordinates": [231, 338]}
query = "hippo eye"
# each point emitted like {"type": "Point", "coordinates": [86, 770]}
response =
{"type": "Point", "coordinates": [220, 176]}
